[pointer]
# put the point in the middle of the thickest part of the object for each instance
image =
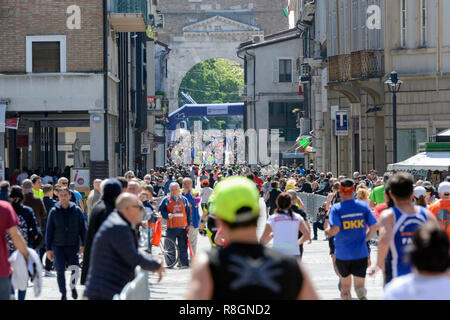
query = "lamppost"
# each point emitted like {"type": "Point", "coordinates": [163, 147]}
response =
{"type": "Point", "coordinates": [394, 85]}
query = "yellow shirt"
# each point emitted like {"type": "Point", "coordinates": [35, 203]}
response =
{"type": "Point", "coordinates": [39, 193]}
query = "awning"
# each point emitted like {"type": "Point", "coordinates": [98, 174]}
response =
{"type": "Point", "coordinates": [424, 161]}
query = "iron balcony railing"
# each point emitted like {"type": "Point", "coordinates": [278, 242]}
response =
{"type": "Point", "coordinates": [356, 66]}
{"type": "Point", "coordinates": [130, 6]}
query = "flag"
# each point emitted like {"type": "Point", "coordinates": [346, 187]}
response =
{"type": "Point", "coordinates": [286, 11]}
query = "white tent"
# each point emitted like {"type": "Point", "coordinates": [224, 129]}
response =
{"type": "Point", "coordinates": [431, 160]}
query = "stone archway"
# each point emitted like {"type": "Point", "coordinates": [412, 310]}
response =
{"type": "Point", "coordinates": [216, 37]}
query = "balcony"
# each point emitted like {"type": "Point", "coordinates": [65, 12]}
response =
{"type": "Point", "coordinates": [358, 65]}
{"type": "Point", "coordinates": [128, 15]}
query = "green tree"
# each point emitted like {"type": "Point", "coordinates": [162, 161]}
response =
{"type": "Point", "coordinates": [213, 81]}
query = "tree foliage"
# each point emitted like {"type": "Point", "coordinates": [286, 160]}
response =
{"type": "Point", "coordinates": [213, 81]}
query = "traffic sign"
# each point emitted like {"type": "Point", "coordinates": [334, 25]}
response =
{"type": "Point", "coordinates": [341, 123]}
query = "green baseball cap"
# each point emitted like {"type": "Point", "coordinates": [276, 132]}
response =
{"type": "Point", "coordinates": [232, 194]}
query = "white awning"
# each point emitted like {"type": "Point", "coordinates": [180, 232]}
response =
{"type": "Point", "coordinates": [424, 161]}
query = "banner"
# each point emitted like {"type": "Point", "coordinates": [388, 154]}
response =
{"type": "Point", "coordinates": [81, 178]}
{"type": "Point", "coordinates": [12, 123]}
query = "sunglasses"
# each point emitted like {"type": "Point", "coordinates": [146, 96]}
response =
{"type": "Point", "coordinates": [138, 206]}
{"type": "Point", "coordinates": [64, 183]}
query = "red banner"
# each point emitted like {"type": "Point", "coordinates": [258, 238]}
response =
{"type": "Point", "coordinates": [12, 123]}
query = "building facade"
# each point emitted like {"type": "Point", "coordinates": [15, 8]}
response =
{"type": "Point", "coordinates": [364, 46]}
{"type": "Point", "coordinates": [271, 89]}
{"type": "Point", "coordinates": [74, 75]}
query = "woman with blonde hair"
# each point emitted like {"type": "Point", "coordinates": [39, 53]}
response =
{"type": "Point", "coordinates": [363, 194]}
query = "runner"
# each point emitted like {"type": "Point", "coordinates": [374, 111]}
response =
{"type": "Point", "coordinates": [283, 227]}
{"type": "Point", "coordinates": [396, 226]}
{"type": "Point", "coordinates": [245, 269]}
{"type": "Point", "coordinates": [430, 260]}
{"type": "Point", "coordinates": [349, 220]}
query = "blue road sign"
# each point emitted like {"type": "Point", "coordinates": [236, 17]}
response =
{"type": "Point", "coordinates": [341, 123]}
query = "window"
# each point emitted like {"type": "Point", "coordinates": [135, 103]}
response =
{"type": "Point", "coordinates": [378, 31]}
{"type": "Point", "coordinates": [355, 26]}
{"type": "Point", "coordinates": [334, 31]}
{"type": "Point", "coordinates": [423, 23]}
{"type": "Point", "coordinates": [46, 57]}
{"type": "Point", "coordinates": [285, 70]}
{"type": "Point", "coordinates": [45, 54]}
{"type": "Point", "coordinates": [363, 24]}
{"type": "Point", "coordinates": [408, 141]}
{"type": "Point", "coordinates": [403, 23]}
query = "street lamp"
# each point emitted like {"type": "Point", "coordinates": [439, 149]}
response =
{"type": "Point", "coordinates": [394, 85]}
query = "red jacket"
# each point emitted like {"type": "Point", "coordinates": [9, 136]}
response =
{"type": "Point", "coordinates": [258, 181]}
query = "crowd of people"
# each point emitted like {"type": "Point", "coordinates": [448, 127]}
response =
{"type": "Point", "coordinates": [409, 220]}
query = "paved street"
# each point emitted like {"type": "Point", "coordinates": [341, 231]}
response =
{"type": "Point", "coordinates": [175, 282]}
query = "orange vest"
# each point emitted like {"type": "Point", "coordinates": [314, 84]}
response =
{"type": "Point", "coordinates": [178, 211]}
{"type": "Point", "coordinates": [441, 211]}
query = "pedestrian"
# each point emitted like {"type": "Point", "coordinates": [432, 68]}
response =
{"type": "Point", "coordinates": [441, 208]}
{"type": "Point", "coordinates": [27, 226]}
{"type": "Point", "coordinates": [396, 226]}
{"type": "Point", "coordinates": [245, 269]}
{"type": "Point", "coordinates": [176, 210]}
{"type": "Point", "coordinates": [430, 259]}
{"type": "Point", "coordinates": [65, 228]}
{"type": "Point", "coordinates": [272, 196]}
{"type": "Point", "coordinates": [195, 215]}
{"type": "Point", "coordinates": [420, 196]}
{"type": "Point", "coordinates": [348, 222]}
{"type": "Point", "coordinates": [320, 220]}
{"type": "Point", "coordinates": [64, 183]}
{"type": "Point", "coordinates": [129, 175]}
{"type": "Point", "coordinates": [205, 193]}
{"type": "Point", "coordinates": [24, 175]}
{"type": "Point", "coordinates": [4, 190]}
{"type": "Point", "coordinates": [133, 187]}
{"type": "Point", "coordinates": [35, 203]}
{"type": "Point", "coordinates": [37, 184]}
{"type": "Point", "coordinates": [113, 262]}
{"type": "Point", "coordinates": [94, 195]}
{"type": "Point", "coordinates": [377, 194]}
{"type": "Point", "coordinates": [49, 203]}
{"type": "Point", "coordinates": [78, 196]}
{"type": "Point", "coordinates": [9, 226]}
{"type": "Point", "coordinates": [110, 189]}
{"type": "Point", "coordinates": [283, 227]}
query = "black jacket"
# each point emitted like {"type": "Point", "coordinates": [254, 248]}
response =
{"type": "Point", "coordinates": [325, 190]}
{"type": "Point", "coordinates": [306, 187]}
{"type": "Point", "coordinates": [65, 227]}
{"type": "Point", "coordinates": [114, 257]}
{"type": "Point", "coordinates": [99, 214]}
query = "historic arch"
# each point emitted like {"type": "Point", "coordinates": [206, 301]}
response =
{"type": "Point", "coordinates": [215, 37]}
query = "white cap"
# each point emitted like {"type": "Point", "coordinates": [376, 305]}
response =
{"type": "Point", "coordinates": [444, 188]}
{"type": "Point", "coordinates": [419, 191]}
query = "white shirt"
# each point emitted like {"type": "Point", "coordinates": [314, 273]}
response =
{"type": "Point", "coordinates": [206, 192]}
{"type": "Point", "coordinates": [285, 232]}
{"type": "Point", "coordinates": [417, 287]}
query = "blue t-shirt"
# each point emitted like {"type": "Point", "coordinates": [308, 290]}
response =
{"type": "Point", "coordinates": [352, 217]}
{"type": "Point", "coordinates": [78, 195]}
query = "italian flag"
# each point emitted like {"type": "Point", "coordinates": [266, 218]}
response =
{"type": "Point", "coordinates": [286, 11]}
